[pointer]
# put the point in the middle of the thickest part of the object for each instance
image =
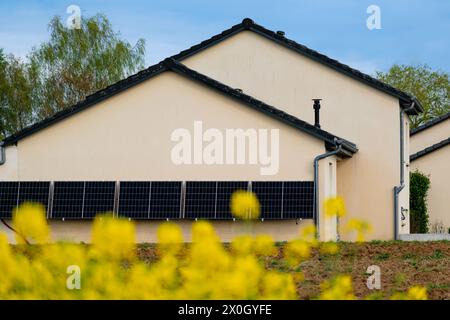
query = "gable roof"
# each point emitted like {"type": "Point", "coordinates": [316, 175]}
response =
{"type": "Point", "coordinates": [430, 124]}
{"type": "Point", "coordinates": [248, 24]}
{"type": "Point", "coordinates": [428, 150]}
{"type": "Point", "coordinates": [169, 64]}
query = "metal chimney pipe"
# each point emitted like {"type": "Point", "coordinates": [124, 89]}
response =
{"type": "Point", "coordinates": [316, 107]}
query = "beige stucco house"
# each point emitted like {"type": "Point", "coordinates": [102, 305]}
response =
{"type": "Point", "coordinates": [175, 130]}
{"type": "Point", "coordinates": [430, 154]}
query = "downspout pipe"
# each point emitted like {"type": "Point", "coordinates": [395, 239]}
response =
{"type": "Point", "coordinates": [399, 188]}
{"type": "Point", "coordinates": [2, 154]}
{"type": "Point", "coordinates": [316, 185]}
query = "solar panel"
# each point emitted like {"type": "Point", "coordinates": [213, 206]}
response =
{"type": "Point", "coordinates": [225, 189]}
{"type": "Point", "coordinates": [134, 199]}
{"type": "Point", "coordinates": [8, 197]}
{"type": "Point", "coordinates": [68, 199]}
{"type": "Point", "coordinates": [298, 198]}
{"type": "Point", "coordinates": [35, 192]}
{"type": "Point", "coordinates": [270, 195]}
{"type": "Point", "coordinates": [165, 200]}
{"type": "Point", "coordinates": [200, 201]}
{"type": "Point", "coordinates": [98, 198]}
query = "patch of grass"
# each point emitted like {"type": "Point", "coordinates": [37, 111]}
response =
{"type": "Point", "coordinates": [437, 254]}
{"type": "Point", "coordinates": [408, 256]}
{"type": "Point", "coordinates": [399, 279]}
{"type": "Point", "coordinates": [383, 256]}
{"type": "Point", "coordinates": [375, 296]}
{"type": "Point", "coordinates": [442, 286]}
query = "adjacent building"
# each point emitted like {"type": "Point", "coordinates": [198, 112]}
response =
{"type": "Point", "coordinates": [430, 154]}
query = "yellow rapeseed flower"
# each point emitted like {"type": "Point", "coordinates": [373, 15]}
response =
{"type": "Point", "coordinates": [170, 237]}
{"type": "Point", "coordinates": [339, 288]}
{"type": "Point", "coordinates": [30, 223]}
{"type": "Point", "coordinates": [360, 227]}
{"type": "Point", "coordinates": [113, 238]}
{"type": "Point", "coordinates": [417, 293]}
{"type": "Point", "coordinates": [334, 206]}
{"type": "Point", "coordinates": [329, 248]}
{"type": "Point", "coordinates": [413, 293]}
{"type": "Point", "coordinates": [296, 251]}
{"type": "Point", "coordinates": [245, 205]}
{"type": "Point", "coordinates": [264, 245]}
{"type": "Point", "coordinates": [242, 244]}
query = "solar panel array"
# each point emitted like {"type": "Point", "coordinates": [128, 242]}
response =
{"type": "Point", "coordinates": [14, 193]}
{"type": "Point", "coordinates": [150, 200]}
{"type": "Point", "coordinates": [157, 199]}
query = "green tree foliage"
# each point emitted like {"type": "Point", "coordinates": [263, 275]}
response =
{"type": "Point", "coordinates": [15, 95]}
{"type": "Point", "coordinates": [77, 62]}
{"type": "Point", "coordinates": [419, 186]}
{"type": "Point", "coordinates": [432, 88]}
{"type": "Point", "coordinates": [71, 65]}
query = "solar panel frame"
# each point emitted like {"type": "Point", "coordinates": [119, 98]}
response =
{"type": "Point", "coordinates": [200, 199]}
{"type": "Point", "coordinates": [99, 197]}
{"type": "Point", "coordinates": [270, 196]}
{"type": "Point", "coordinates": [34, 192]}
{"type": "Point", "coordinates": [9, 192]}
{"type": "Point", "coordinates": [165, 200]}
{"type": "Point", "coordinates": [68, 200]}
{"type": "Point", "coordinates": [225, 189]}
{"type": "Point", "coordinates": [134, 199]}
{"type": "Point", "coordinates": [298, 199]}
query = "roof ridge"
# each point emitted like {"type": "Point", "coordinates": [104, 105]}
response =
{"type": "Point", "coordinates": [249, 24]}
{"type": "Point", "coordinates": [430, 123]}
{"type": "Point", "coordinates": [430, 149]}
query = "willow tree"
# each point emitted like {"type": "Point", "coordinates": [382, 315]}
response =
{"type": "Point", "coordinates": [431, 87]}
{"type": "Point", "coordinates": [15, 95]}
{"type": "Point", "coordinates": [77, 62]}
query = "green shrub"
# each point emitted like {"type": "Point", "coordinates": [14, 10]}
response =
{"type": "Point", "coordinates": [419, 186]}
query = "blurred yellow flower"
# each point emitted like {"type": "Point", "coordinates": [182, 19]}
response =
{"type": "Point", "coordinates": [417, 293]}
{"type": "Point", "coordinates": [245, 205]}
{"type": "Point", "coordinates": [30, 223]}
{"type": "Point", "coordinates": [360, 227]}
{"type": "Point", "coordinates": [339, 288]}
{"type": "Point", "coordinates": [261, 245]}
{"type": "Point", "coordinates": [264, 245]}
{"type": "Point", "coordinates": [296, 251]}
{"type": "Point", "coordinates": [278, 286]}
{"type": "Point", "coordinates": [113, 238]}
{"type": "Point", "coordinates": [202, 231]}
{"type": "Point", "coordinates": [334, 206]}
{"type": "Point", "coordinates": [170, 237]}
{"type": "Point", "coordinates": [413, 293]}
{"type": "Point", "coordinates": [308, 233]}
{"type": "Point", "coordinates": [242, 244]}
{"type": "Point", "coordinates": [329, 248]}
{"type": "Point", "coordinates": [206, 269]}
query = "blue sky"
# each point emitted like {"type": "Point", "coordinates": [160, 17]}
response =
{"type": "Point", "coordinates": [413, 31]}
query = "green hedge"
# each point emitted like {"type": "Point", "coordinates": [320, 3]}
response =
{"type": "Point", "coordinates": [419, 186]}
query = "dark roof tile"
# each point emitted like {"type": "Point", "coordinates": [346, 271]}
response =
{"type": "Point", "coordinates": [430, 124]}
{"type": "Point", "coordinates": [430, 149]}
